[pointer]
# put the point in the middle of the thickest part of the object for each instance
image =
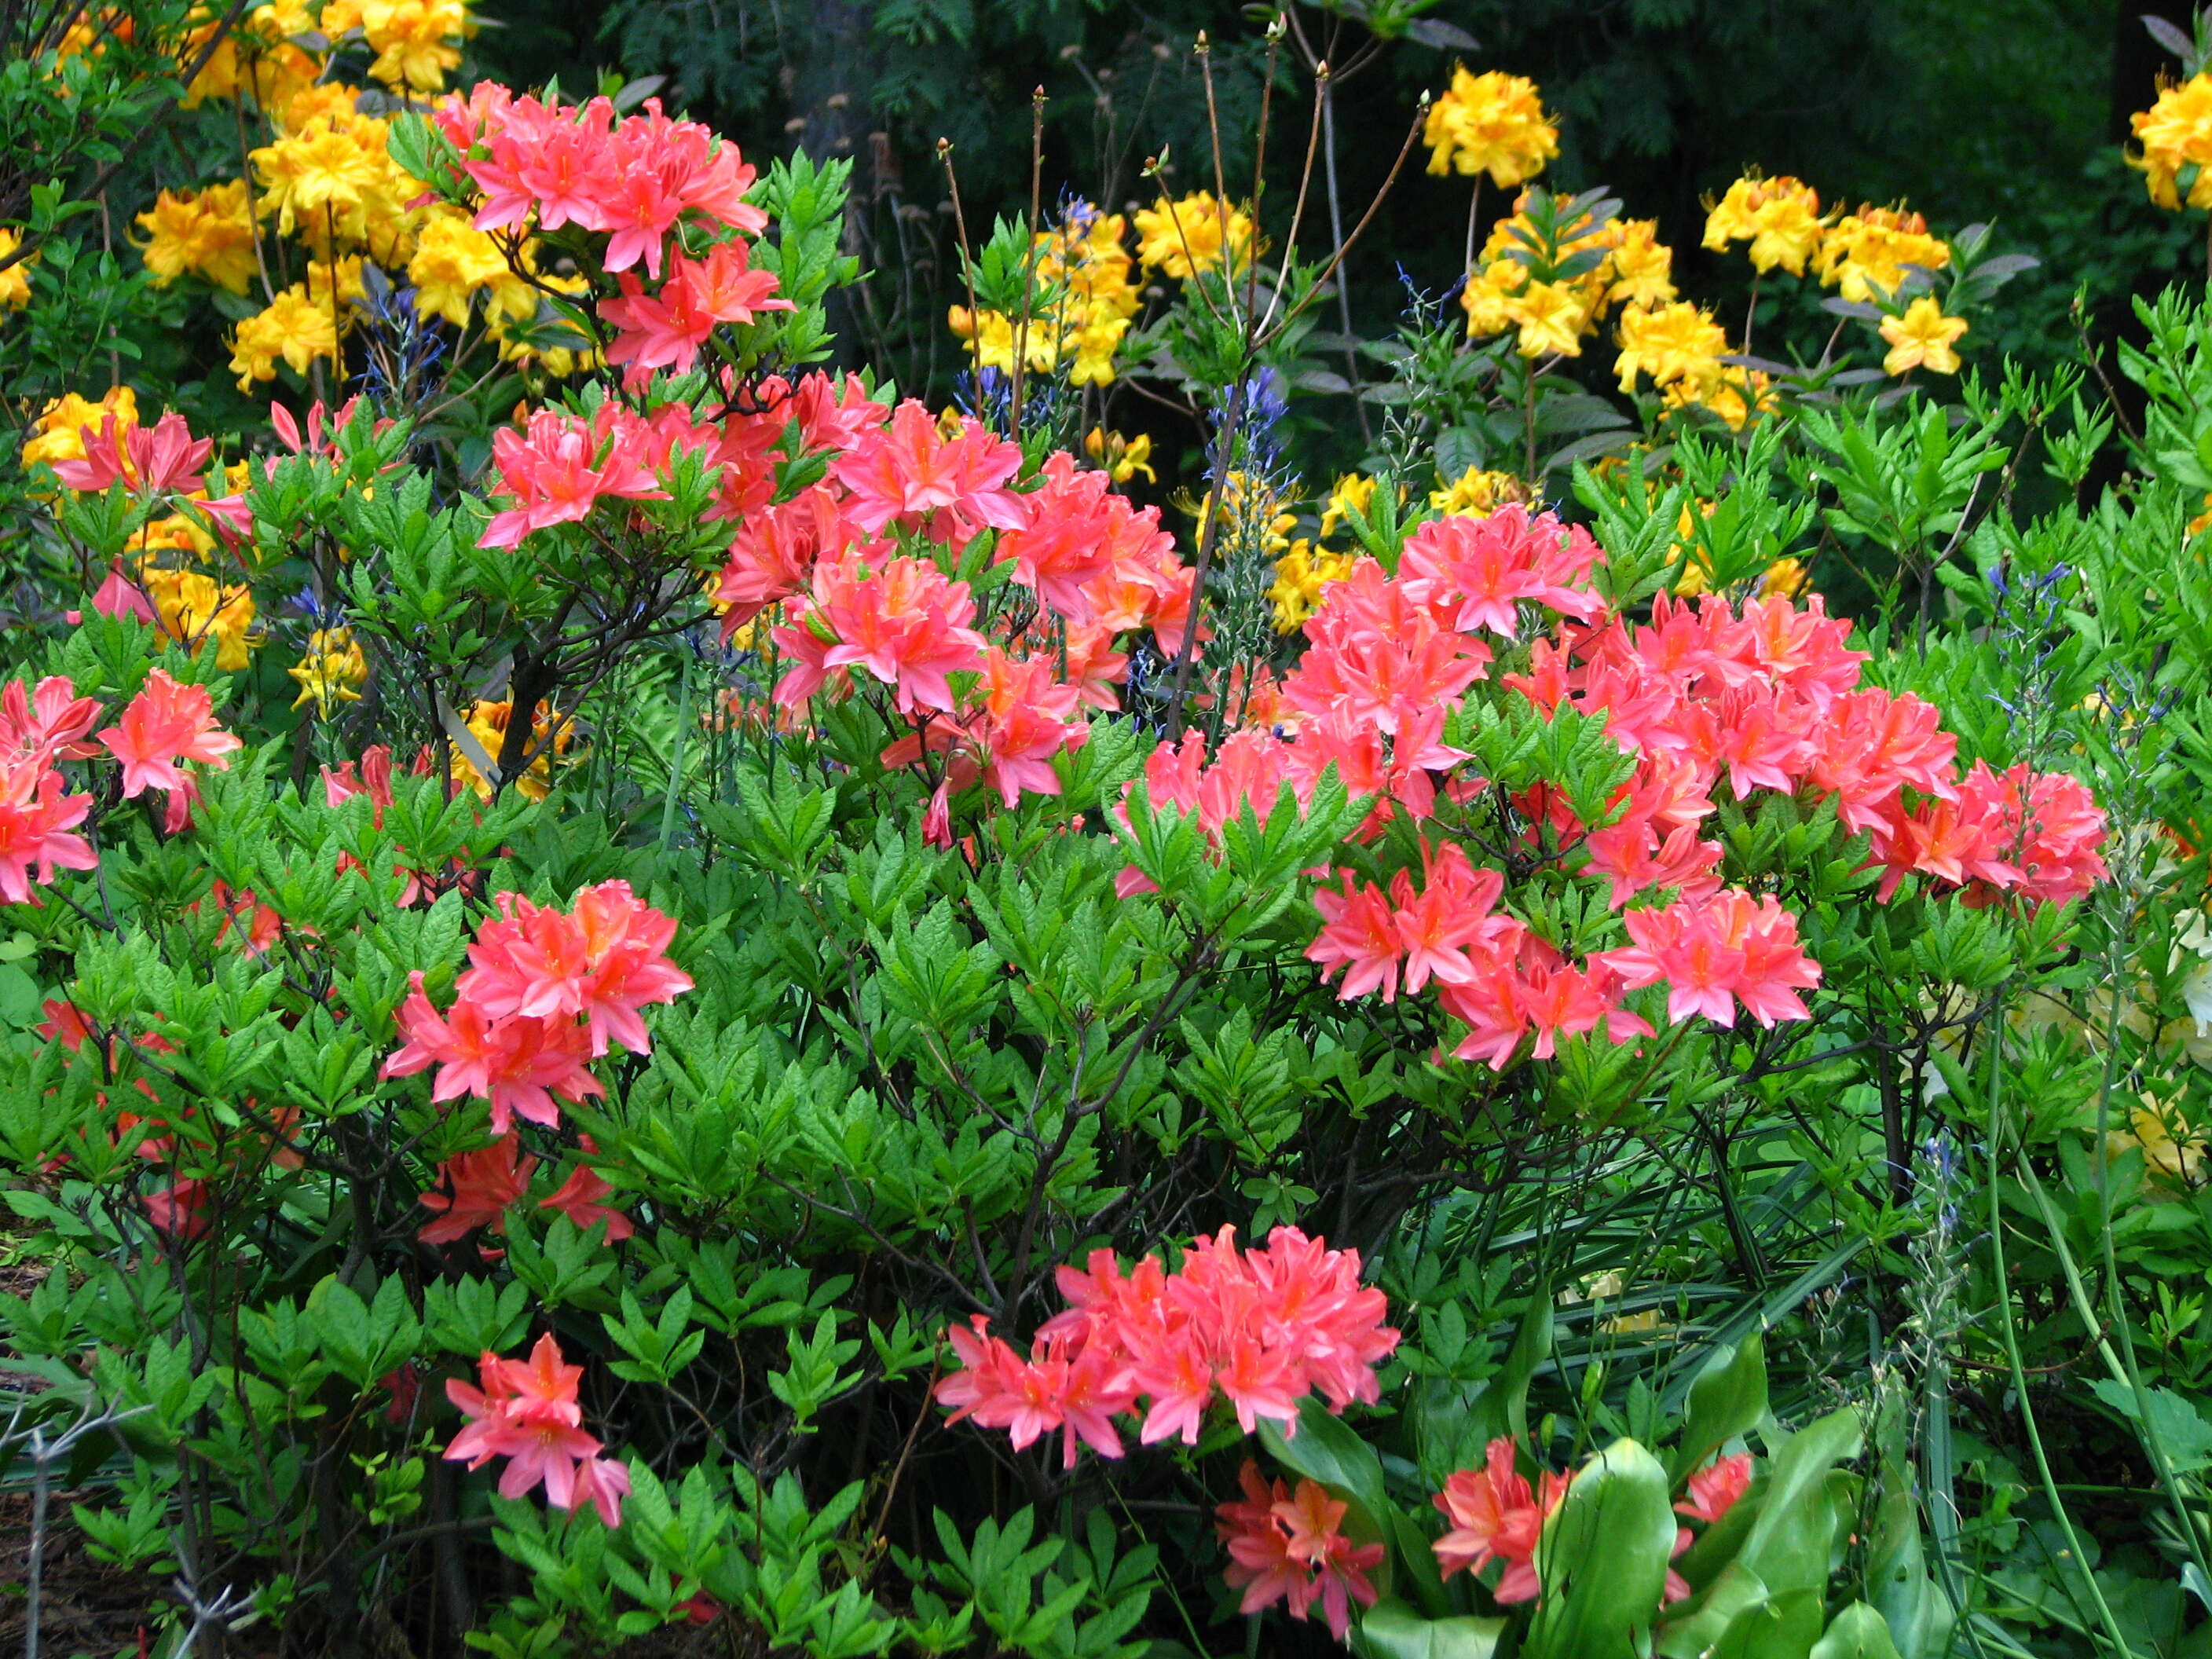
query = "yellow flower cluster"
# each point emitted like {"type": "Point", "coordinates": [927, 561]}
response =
{"type": "Point", "coordinates": [331, 672]}
{"type": "Point", "coordinates": [194, 608]}
{"type": "Point", "coordinates": [1679, 347]}
{"type": "Point", "coordinates": [1553, 317]}
{"type": "Point", "coordinates": [15, 281]}
{"type": "Point", "coordinates": [1085, 302]}
{"type": "Point", "coordinates": [550, 734]}
{"type": "Point", "coordinates": [2176, 133]}
{"type": "Point", "coordinates": [1182, 239]}
{"type": "Point", "coordinates": [1865, 254]}
{"type": "Point", "coordinates": [414, 41]}
{"type": "Point", "coordinates": [326, 176]}
{"type": "Point", "coordinates": [1492, 124]}
{"type": "Point", "coordinates": [1779, 217]}
{"type": "Point", "coordinates": [1304, 568]}
{"type": "Point", "coordinates": [1301, 574]}
{"type": "Point", "coordinates": [454, 262]}
{"type": "Point", "coordinates": [294, 328]}
{"type": "Point", "coordinates": [207, 233]}
{"type": "Point", "coordinates": [330, 179]}
{"type": "Point", "coordinates": [1476, 493]}
{"type": "Point", "coordinates": [263, 60]}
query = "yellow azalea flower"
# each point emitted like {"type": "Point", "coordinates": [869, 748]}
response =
{"type": "Point", "coordinates": [2172, 1153]}
{"type": "Point", "coordinates": [1240, 503]}
{"type": "Point", "coordinates": [330, 671]}
{"type": "Point", "coordinates": [1353, 493]}
{"type": "Point", "coordinates": [413, 40]}
{"type": "Point", "coordinates": [1488, 297]}
{"type": "Point", "coordinates": [1122, 458]}
{"type": "Point", "coordinates": [1492, 123]}
{"type": "Point", "coordinates": [991, 338]}
{"type": "Point", "coordinates": [329, 98]}
{"type": "Point", "coordinates": [15, 281]}
{"type": "Point", "coordinates": [1641, 270]}
{"type": "Point", "coordinates": [452, 262]}
{"type": "Point", "coordinates": [333, 176]}
{"type": "Point", "coordinates": [1675, 342]}
{"type": "Point", "coordinates": [193, 609]}
{"type": "Point", "coordinates": [1779, 217]}
{"type": "Point", "coordinates": [1182, 239]}
{"type": "Point", "coordinates": [1730, 393]}
{"type": "Point", "coordinates": [206, 234]}
{"type": "Point", "coordinates": [1865, 254]}
{"type": "Point", "coordinates": [2202, 521]}
{"type": "Point", "coordinates": [550, 736]}
{"type": "Point", "coordinates": [1301, 574]}
{"type": "Point", "coordinates": [1550, 319]}
{"type": "Point", "coordinates": [1094, 345]}
{"type": "Point", "coordinates": [294, 327]}
{"type": "Point", "coordinates": [1785, 578]}
{"type": "Point", "coordinates": [1922, 338]}
{"type": "Point", "coordinates": [1085, 261]}
{"type": "Point", "coordinates": [59, 433]}
{"type": "Point", "coordinates": [1476, 493]}
{"type": "Point", "coordinates": [2176, 133]}
{"type": "Point", "coordinates": [174, 532]}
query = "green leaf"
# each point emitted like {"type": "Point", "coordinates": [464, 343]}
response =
{"type": "Point", "coordinates": [1603, 1559]}
{"type": "Point", "coordinates": [1727, 1399]}
{"type": "Point", "coordinates": [1391, 1630]}
{"type": "Point", "coordinates": [1788, 1544]}
{"type": "Point", "coordinates": [1782, 1627]}
{"type": "Point", "coordinates": [2184, 1435]}
{"type": "Point", "coordinates": [1325, 1449]}
{"type": "Point", "coordinates": [1857, 1633]}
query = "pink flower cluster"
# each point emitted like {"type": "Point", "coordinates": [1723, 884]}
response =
{"type": "Point", "coordinates": [639, 180]}
{"type": "Point", "coordinates": [546, 993]}
{"type": "Point", "coordinates": [864, 604]}
{"type": "Point", "coordinates": [526, 1411]}
{"type": "Point", "coordinates": [559, 466]}
{"type": "Point", "coordinates": [164, 726]}
{"type": "Point", "coordinates": [160, 458]}
{"type": "Point", "coordinates": [632, 178]}
{"type": "Point", "coordinates": [1262, 1327]}
{"type": "Point", "coordinates": [1496, 1516]}
{"type": "Point", "coordinates": [37, 817]}
{"type": "Point", "coordinates": [1769, 698]}
{"type": "Point", "coordinates": [1288, 1547]}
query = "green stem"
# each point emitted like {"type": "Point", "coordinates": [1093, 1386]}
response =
{"type": "Point", "coordinates": [675, 756]}
{"type": "Point", "coordinates": [1991, 1142]}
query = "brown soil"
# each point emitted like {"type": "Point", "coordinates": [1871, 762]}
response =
{"type": "Point", "coordinates": [88, 1606]}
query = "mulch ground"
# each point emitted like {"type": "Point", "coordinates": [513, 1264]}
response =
{"type": "Point", "coordinates": [88, 1606]}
